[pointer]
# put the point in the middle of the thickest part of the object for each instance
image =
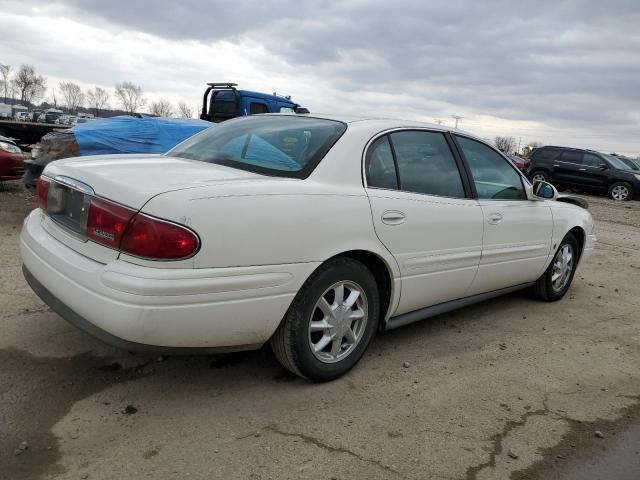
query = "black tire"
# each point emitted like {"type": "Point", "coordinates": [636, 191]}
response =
{"type": "Point", "coordinates": [541, 173]}
{"type": "Point", "coordinates": [290, 342]}
{"type": "Point", "coordinates": [544, 288]}
{"type": "Point", "coordinates": [617, 189]}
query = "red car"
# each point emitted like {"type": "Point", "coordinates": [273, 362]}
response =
{"type": "Point", "coordinates": [11, 160]}
{"type": "Point", "coordinates": [520, 163]}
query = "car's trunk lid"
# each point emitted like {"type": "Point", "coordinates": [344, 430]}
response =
{"type": "Point", "coordinates": [132, 180]}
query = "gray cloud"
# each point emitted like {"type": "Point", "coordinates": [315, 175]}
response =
{"type": "Point", "coordinates": [570, 64]}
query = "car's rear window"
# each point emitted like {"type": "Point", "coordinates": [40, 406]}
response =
{"type": "Point", "coordinates": [286, 146]}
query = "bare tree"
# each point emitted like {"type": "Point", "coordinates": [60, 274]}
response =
{"type": "Point", "coordinates": [130, 97]}
{"type": "Point", "coordinates": [505, 144]}
{"type": "Point", "coordinates": [5, 71]}
{"type": "Point", "coordinates": [30, 85]}
{"type": "Point", "coordinates": [72, 95]}
{"type": "Point", "coordinates": [161, 108]}
{"type": "Point", "coordinates": [98, 99]}
{"type": "Point", "coordinates": [184, 110]}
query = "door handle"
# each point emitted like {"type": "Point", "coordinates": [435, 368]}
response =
{"type": "Point", "coordinates": [494, 218]}
{"type": "Point", "coordinates": [556, 165]}
{"type": "Point", "coordinates": [582, 169]}
{"type": "Point", "coordinates": [393, 217]}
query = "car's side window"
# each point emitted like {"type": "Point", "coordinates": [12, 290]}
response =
{"type": "Point", "coordinates": [591, 160]}
{"type": "Point", "coordinates": [571, 157]}
{"type": "Point", "coordinates": [380, 167]}
{"type": "Point", "coordinates": [426, 164]}
{"type": "Point", "coordinates": [493, 175]}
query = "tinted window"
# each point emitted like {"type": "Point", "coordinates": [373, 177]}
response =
{"type": "Point", "coordinates": [426, 164]}
{"type": "Point", "coordinates": [381, 171]}
{"type": "Point", "coordinates": [592, 160]}
{"type": "Point", "coordinates": [256, 108]}
{"type": "Point", "coordinates": [284, 146]}
{"type": "Point", "coordinates": [571, 156]}
{"type": "Point", "coordinates": [544, 153]}
{"type": "Point", "coordinates": [493, 175]}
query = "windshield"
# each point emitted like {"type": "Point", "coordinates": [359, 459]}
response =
{"type": "Point", "coordinates": [616, 162]}
{"type": "Point", "coordinates": [286, 146]}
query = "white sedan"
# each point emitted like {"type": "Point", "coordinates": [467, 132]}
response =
{"type": "Point", "coordinates": [308, 232]}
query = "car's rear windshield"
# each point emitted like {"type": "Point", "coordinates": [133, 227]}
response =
{"type": "Point", "coordinates": [286, 146]}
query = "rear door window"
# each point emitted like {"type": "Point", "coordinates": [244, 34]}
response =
{"type": "Point", "coordinates": [571, 156]}
{"type": "Point", "coordinates": [380, 167]}
{"type": "Point", "coordinates": [425, 164]}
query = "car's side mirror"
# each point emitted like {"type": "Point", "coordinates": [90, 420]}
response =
{"type": "Point", "coordinates": [544, 191]}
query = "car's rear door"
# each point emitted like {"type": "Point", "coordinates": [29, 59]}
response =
{"type": "Point", "coordinates": [568, 168]}
{"type": "Point", "coordinates": [423, 214]}
{"type": "Point", "coordinates": [517, 231]}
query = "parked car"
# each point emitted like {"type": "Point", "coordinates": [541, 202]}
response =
{"type": "Point", "coordinates": [11, 161]}
{"type": "Point", "coordinates": [50, 116]}
{"type": "Point", "coordinates": [631, 163]}
{"type": "Point", "coordinates": [21, 116]}
{"type": "Point", "coordinates": [274, 228]}
{"type": "Point", "coordinates": [584, 169]}
{"type": "Point", "coordinates": [521, 163]}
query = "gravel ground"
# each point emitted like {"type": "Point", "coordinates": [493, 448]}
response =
{"type": "Point", "coordinates": [510, 388]}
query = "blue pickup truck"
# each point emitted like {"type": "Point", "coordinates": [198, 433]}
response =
{"type": "Point", "coordinates": [223, 101]}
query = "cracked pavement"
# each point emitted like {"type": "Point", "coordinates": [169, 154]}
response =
{"type": "Point", "coordinates": [510, 388]}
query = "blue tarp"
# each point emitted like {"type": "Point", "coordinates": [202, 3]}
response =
{"type": "Point", "coordinates": [127, 134]}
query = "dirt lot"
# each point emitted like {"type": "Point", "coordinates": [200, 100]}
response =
{"type": "Point", "coordinates": [511, 388]}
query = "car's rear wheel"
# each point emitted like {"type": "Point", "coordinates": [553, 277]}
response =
{"type": "Point", "coordinates": [539, 176]}
{"type": "Point", "coordinates": [331, 321]}
{"type": "Point", "coordinates": [620, 191]}
{"type": "Point", "coordinates": [557, 278]}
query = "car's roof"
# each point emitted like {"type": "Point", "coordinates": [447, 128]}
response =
{"type": "Point", "coordinates": [379, 123]}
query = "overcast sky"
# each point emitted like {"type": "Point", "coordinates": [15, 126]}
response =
{"type": "Point", "coordinates": [558, 72]}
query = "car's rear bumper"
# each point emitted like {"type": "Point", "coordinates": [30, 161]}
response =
{"type": "Point", "coordinates": [159, 309]}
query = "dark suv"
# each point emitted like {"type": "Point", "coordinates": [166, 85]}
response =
{"type": "Point", "coordinates": [584, 169]}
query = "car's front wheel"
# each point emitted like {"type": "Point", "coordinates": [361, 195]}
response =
{"type": "Point", "coordinates": [331, 321]}
{"type": "Point", "coordinates": [620, 191]}
{"type": "Point", "coordinates": [557, 278]}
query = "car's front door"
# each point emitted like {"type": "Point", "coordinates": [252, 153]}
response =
{"type": "Point", "coordinates": [517, 231]}
{"type": "Point", "coordinates": [422, 214]}
{"type": "Point", "coordinates": [594, 170]}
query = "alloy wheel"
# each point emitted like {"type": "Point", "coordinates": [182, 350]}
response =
{"type": "Point", "coordinates": [538, 177]}
{"type": "Point", "coordinates": [619, 192]}
{"type": "Point", "coordinates": [338, 321]}
{"type": "Point", "coordinates": [562, 267]}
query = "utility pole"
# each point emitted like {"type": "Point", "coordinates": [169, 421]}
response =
{"type": "Point", "coordinates": [457, 119]}
{"type": "Point", "coordinates": [438, 121]}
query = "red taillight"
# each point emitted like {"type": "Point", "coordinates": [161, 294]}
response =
{"type": "Point", "coordinates": [137, 234]}
{"type": "Point", "coordinates": [156, 239]}
{"type": "Point", "coordinates": [43, 191]}
{"type": "Point", "coordinates": [107, 222]}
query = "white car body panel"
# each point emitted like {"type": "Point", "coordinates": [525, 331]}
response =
{"type": "Point", "coordinates": [516, 243]}
{"type": "Point", "coordinates": [435, 268]}
{"type": "Point", "coordinates": [262, 237]}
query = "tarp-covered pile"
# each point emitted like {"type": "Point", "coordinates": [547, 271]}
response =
{"type": "Point", "coordinates": [134, 135]}
{"type": "Point", "coordinates": [115, 135]}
